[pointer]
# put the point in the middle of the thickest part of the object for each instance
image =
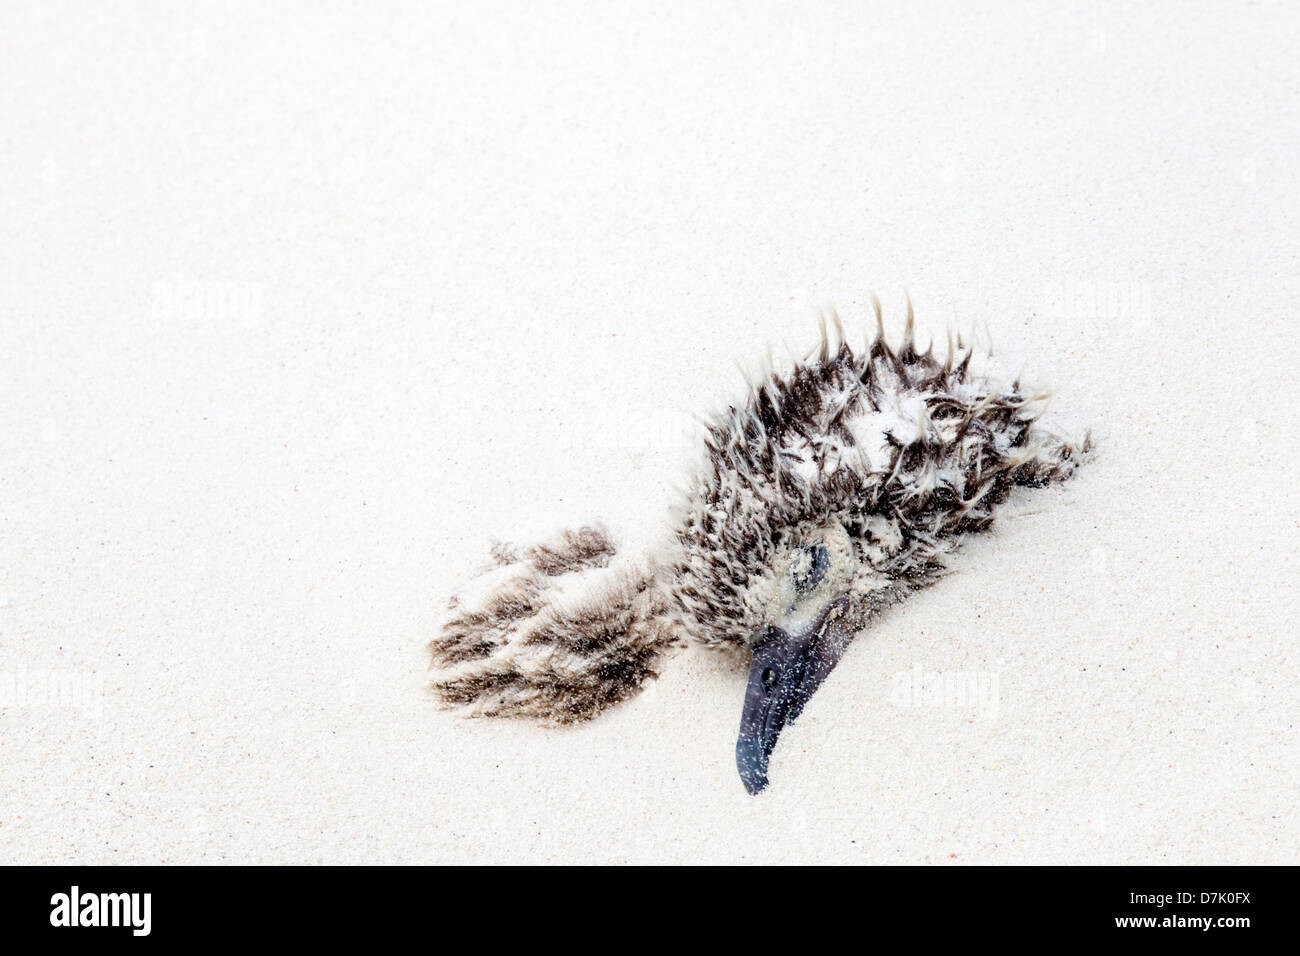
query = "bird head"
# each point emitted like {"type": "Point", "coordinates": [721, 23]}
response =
{"type": "Point", "coordinates": [773, 563]}
{"type": "Point", "coordinates": [828, 495]}
{"type": "Point", "coordinates": [810, 617]}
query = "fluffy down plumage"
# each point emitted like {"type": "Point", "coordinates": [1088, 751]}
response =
{"type": "Point", "coordinates": [886, 455]}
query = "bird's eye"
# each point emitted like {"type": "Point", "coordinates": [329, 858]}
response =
{"type": "Point", "coordinates": [810, 568]}
{"type": "Point", "coordinates": [769, 678]}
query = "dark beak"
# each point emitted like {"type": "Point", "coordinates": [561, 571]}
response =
{"type": "Point", "coordinates": [785, 671]}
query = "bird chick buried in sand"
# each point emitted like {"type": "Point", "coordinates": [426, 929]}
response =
{"type": "Point", "coordinates": [831, 493]}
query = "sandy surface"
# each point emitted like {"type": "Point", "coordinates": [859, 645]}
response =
{"type": "Point", "coordinates": [301, 309]}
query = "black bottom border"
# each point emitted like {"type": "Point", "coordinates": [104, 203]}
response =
{"type": "Point", "coordinates": [340, 905]}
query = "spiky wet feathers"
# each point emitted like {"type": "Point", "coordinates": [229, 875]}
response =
{"type": "Point", "coordinates": [886, 455]}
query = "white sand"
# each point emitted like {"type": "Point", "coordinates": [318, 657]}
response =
{"type": "Point", "coordinates": [301, 309]}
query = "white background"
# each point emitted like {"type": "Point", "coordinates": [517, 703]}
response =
{"type": "Point", "coordinates": [303, 304]}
